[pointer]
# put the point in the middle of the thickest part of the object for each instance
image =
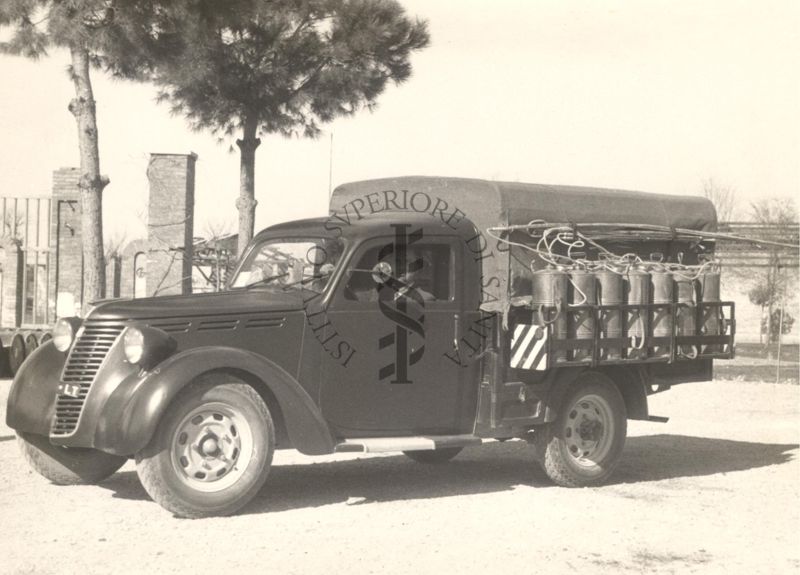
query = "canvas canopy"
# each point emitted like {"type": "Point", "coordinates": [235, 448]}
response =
{"type": "Point", "coordinates": [490, 204]}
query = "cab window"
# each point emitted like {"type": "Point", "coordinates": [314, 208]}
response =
{"type": "Point", "coordinates": [296, 263]}
{"type": "Point", "coordinates": [428, 271]}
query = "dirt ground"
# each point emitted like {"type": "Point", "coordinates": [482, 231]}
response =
{"type": "Point", "coordinates": [715, 490]}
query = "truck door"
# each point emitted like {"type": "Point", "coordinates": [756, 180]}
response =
{"type": "Point", "coordinates": [399, 380]}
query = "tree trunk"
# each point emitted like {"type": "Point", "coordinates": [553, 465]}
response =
{"type": "Point", "coordinates": [769, 331]}
{"type": "Point", "coordinates": [246, 203]}
{"type": "Point", "coordinates": [91, 182]}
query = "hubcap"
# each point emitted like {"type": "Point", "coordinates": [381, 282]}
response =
{"type": "Point", "coordinates": [212, 447]}
{"type": "Point", "coordinates": [589, 430]}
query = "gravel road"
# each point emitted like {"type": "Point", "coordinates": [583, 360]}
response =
{"type": "Point", "coordinates": [715, 490]}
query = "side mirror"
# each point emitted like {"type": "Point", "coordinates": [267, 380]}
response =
{"type": "Point", "coordinates": [381, 272]}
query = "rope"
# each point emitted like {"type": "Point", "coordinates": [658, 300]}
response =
{"type": "Point", "coordinates": [572, 239]}
{"type": "Point", "coordinates": [625, 230]}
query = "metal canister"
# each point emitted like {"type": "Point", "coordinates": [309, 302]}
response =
{"type": "Point", "coordinates": [581, 322]}
{"type": "Point", "coordinates": [609, 292]}
{"type": "Point", "coordinates": [686, 312]}
{"type": "Point", "coordinates": [661, 323]}
{"type": "Point", "coordinates": [637, 292]}
{"type": "Point", "coordinates": [548, 299]}
{"type": "Point", "coordinates": [712, 314]}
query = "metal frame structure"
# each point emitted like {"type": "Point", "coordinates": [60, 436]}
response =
{"type": "Point", "coordinates": [27, 220]}
{"type": "Point", "coordinates": [596, 344]}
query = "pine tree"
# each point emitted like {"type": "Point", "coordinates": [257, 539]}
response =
{"type": "Point", "coordinates": [257, 67]}
{"type": "Point", "coordinates": [85, 28]}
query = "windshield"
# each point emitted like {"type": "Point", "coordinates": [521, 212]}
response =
{"type": "Point", "coordinates": [295, 263]}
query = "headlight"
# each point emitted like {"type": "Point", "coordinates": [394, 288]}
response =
{"type": "Point", "coordinates": [146, 346]}
{"type": "Point", "coordinates": [133, 344]}
{"type": "Point", "coordinates": [64, 332]}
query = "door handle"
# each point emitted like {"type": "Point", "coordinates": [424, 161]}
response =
{"type": "Point", "coordinates": [456, 331]}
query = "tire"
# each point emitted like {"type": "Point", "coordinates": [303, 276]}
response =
{"type": "Point", "coordinates": [31, 343]}
{"type": "Point", "coordinates": [434, 456]}
{"type": "Point", "coordinates": [16, 353]}
{"type": "Point", "coordinates": [583, 446]}
{"type": "Point", "coordinates": [5, 370]}
{"type": "Point", "coordinates": [67, 465]}
{"type": "Point", "coordinates": [211, 451]}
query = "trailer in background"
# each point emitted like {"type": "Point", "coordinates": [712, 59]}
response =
{"type": "Point", "coordinates": [41, 254]}
{"type": "Point", "coordinates": [41, 270]}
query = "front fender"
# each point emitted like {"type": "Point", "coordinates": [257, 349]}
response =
{"type": "Point", "coordinates": [133, 411]}
{"type": "Point", "coordinates": [32, 397]}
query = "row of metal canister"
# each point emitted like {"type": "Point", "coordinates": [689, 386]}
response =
{"type": "Point", "coordinates": [558, 289]}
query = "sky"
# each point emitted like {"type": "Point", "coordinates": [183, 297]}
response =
{"type": "Point", "coordinates": [646, 95]}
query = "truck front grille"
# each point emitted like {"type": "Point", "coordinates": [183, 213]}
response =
{"type": "Point", "coordinates": [85, 358]}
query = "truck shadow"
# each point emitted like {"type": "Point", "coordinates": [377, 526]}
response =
{"type": "Point", "coordinates": [664, 456]}
{"type": "Point", "coordinates": [490, 468]}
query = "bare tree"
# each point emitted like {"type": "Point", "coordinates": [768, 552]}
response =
{"type": "Point", "coordinates": [115, 244]}
{"type": "Point", "coordinates": [775, 286]}
{"type": "Point", "coordinates": [216, 229]}
{"type": "Point", "coordinates": [778, 211]}
{"type": "Point", "coordinates": [722, 196]}
{"type": "Point", "coordinates": [213, 253]}
{"type": "Point", "coordinates": [12, 225]}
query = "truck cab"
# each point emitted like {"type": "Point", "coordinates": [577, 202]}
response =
{"type": "Point", "coordinates": [401, 322]}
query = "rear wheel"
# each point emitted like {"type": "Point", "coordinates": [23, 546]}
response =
{"type": "Point", "coordinates": [583, 446]}
{"type": "Point", "coordinates": [31, 343]}
{"type": "Point", "coordinates": [67, 465]}
{"type": "Point", "coordinates": [211, 452]}
{"type": "Point", "coordinates": [434, 456]}
{"type": "Point", "coordinates": [5, 370]}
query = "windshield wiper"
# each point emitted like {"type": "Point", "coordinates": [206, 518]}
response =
{"type": "Point", "coordinates": [265, 280]}
{"type": "Point", "coordinates": [307, 280]}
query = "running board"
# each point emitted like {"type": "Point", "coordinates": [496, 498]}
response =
{"type": "Point", "coordinates": [419, 443]}
{"type": "Point", "coordinates": [657, 418]}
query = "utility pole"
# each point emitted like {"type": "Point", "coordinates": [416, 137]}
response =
{"type": "Point", "coordinates": [780, 337]}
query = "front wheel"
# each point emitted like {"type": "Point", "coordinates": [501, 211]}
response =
{"type": "Point", "coordinates": [211, 452]}
{"type": "Point", "coordinates": [67, 465]}
{"type": "Point", "coordinates": [583, 446]}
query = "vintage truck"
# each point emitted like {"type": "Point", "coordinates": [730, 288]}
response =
{"type": "Point", "coordinates": [422, 315]}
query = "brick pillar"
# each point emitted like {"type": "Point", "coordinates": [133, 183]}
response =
{"type": "Point", "coordinates": [66, 246]}
{"type": "Point", "coordinates": [170, 223]}
{"type": "Point", "coordinates": [12, 262]}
